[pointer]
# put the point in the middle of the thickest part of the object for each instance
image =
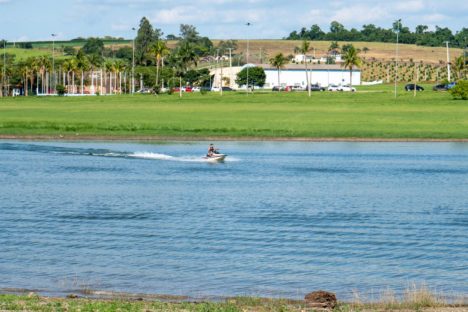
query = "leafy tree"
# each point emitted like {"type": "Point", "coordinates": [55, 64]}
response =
{"type": "Point", "coordinates": [460, 91]}
{"type": "Point", "coordinates": [333, 46]}
{"type": "Point", "coordinates": [350, 59]}
{"type": "Point", "coordinates": [93, 46]}
{"type": "Point", "coordinates": [125, 53]}
{"type": "Point", "coordinates": [224, 46]}
{"type": "Point", "coordinates": [278, 61]}
{"type": "Point", "coordinates": [256, 76]}
{"type": "Point", "coordinates": [146, 36]}
{"type": "Point", "coordinates": [69, 50]}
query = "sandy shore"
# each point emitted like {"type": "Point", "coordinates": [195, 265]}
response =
{"type": "Point", "coordinates": [146, 138]}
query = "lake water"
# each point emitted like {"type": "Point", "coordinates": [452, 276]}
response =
{"type": "Point", "coordinates": [276, 219]}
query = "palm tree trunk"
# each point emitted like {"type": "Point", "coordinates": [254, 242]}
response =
{"type": "Point", "coordinates": [157, 72]}
{"type": "Point", "coordinates": [307, 76]}
{"type": "Point", "coordinates": [73, 82]}
{"type": "Point", "coordinates": [25, 85]}
{"type": "Point", "coordinates": [120, 82]}
{"type": "Point", "coordinates": [351, 76]}
{"type": "Point", "coordinates": [82, 82]}
{"type": "Point", "coordinates": [279, 79]}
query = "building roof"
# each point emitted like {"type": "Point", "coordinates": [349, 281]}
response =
{"type": "Point", "coordinates": [309, 66]}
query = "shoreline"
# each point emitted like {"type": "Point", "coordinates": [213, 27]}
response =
{"type": "Point", "coordinates": [149, 138]}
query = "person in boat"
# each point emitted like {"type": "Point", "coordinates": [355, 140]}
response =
{"type": "Point", "coordinates": [211, 150]}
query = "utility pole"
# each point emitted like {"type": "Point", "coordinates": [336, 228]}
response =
{"type": "Point", "coordinates": [247, 58]}
{"type": "Point", "coordinates": [230, 67]}
{"type": "Point", "coordinates": [133, 61]}
{"type": "Point", "coordinates": [54, 81]}
{"type": "Point", "coordinates": [4, 68]}
{"type": "Point", "coordinates": [396, 56]}
{"type": "Point", "coordinates": [448, 62]}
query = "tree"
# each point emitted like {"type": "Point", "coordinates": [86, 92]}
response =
{"type": "Point", "coordinates": [93, 46]}
{"type": "Point", "coordinates": [188, 33]}
{"type": "Point", "coordinates": [334, 46]}
{"type": "Point", "coordinates": [159, 50]}
{"type": "Point", "coordinates": [278, 61]}
{"type": "Point", "coordinates": [82, 64]}
{"type": "Point", "coordinates": [460, 91]}
{"type": "Point", "coordinates": [185, 57]}
{"type": "Point", "coordinates": [69, 50]}
{"type": "Point", "coordinates": [119, 67]}
{"type": "Point", "coordinates": [146, 36]}
{"type": "Point", "coordinates": [257, 77]}
{"type": "Point", "coordinates": [350, 59]}
{"type": "Point", "coordinates": [304, 48]}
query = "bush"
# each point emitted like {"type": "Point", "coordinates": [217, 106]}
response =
{"type": "Point", "coordinates": [60, 90]}
{"type": "Point", "coordinates": [460, 91]}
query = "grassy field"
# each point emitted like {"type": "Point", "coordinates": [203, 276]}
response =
{"type": "Point", "coordinates": [371, 113]}
{"type": "Point", "coordinates": [377, 50]}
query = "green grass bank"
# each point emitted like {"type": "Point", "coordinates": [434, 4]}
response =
{"type": "Point", "coordinates": [371, 113]}
{"type": "Point", "coordinates": [33, 302]}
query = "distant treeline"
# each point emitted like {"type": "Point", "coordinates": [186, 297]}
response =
{"type": "Point", "coordinates": [371, 33]}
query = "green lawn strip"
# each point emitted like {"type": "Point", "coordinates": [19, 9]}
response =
{"type": "Point", "coordinates": [288, 115]}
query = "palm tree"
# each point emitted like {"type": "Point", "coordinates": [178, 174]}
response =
{"type": "Point", "coordinates": [304, 48]}
{"type": "Point", "coordinates": [95, 60]}
{"type": "Point", "coordinates": [43, 64]}
{"type": "Point", "coordinates": [25, 70]}
{"type": "Point", "coordinates": [278, 61]}
{"type": "Point", "coordinates": [350, 59]}
{"type": "Point", "coordinates": [119, 67]}
{"type": "Point", "coordinates": [109, 66]}
{"type": "Point", "coordinates": [82, 64]}
{"type": "Point", "coordinates": [459, 66]}
{"type": "Point", "coordinates": [159, 51]}
{"type": "Point", "coordinates": [187, 56]}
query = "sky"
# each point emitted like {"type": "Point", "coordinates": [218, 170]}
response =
{"type": "Point", "coordinates": [33, 20]}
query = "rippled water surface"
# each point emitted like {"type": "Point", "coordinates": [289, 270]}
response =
{"type": "Point", "coordinates": [276, 219]}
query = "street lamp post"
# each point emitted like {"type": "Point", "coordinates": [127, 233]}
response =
{"type": "Point", "coordinates": [396, 56]}
{"type": "Point", "coordinates": [4, 68]}
{"type": "Point", "coordinates": [133, 63]}
{"type": "Point", "coordinates": [247, 58]}
{"type": "Point", "coordinates": [54, 82]}
{"type": "Point", "coordinates": [448, 62]}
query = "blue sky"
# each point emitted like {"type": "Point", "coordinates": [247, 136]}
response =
{"type": "Point", "coordinates": [23, 20]}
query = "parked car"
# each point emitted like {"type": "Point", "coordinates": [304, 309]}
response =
{"type": "Point", "coordinates": [411, 86]}
{"type": "Point", "coordinates": [276, 88]}
{"type": "Point", "coordinates": [316, 87]}
{"type": "Point", "coordinates": [333, 87]}
{"type": "Point", "coordinates": [346, 88]}
{"type": "Point", "coordinates": [196, 89]}
{"type": "Point", "coordinates": [297, 87]}
{"type": "Point", "coordinates": [440, 87]}
{"type": "Point", "coordinates": [144, 91]}
{"type": "Point", "coordinates": [218, 89]}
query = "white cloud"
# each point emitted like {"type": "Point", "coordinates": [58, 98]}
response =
{"type": "Point", "coordinates": [410, 6]}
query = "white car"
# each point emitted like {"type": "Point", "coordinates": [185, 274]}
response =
{"type": "Point", "coordinates": [196, 89]}
{"type": "Point", "coordinates": [347, 88]}
{"type": "Point", "coordinates": [297, 88]}
{"type": "Point", "coordinates": [333, 88]}
{"type": "Point", "coordinates": [215, 89]}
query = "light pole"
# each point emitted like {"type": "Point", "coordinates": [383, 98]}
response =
{"type": "Point", "coordinates": [247, 58]}
{"type": "Point", "coordinates": [53, 62]}
{"type": "Point", "coordinates": [396, 56]}
{"type": "Point", "coordinates": [4, 68]}
{"type": "Point", "coordinates": [133, 62]}
{"type": "Point", "coordinates": [230, 66]}
{"type": "Point", "coordinates": [448, 62]}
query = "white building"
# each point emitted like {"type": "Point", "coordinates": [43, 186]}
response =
{"type": "Point", "coordinates": [293, 75]}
